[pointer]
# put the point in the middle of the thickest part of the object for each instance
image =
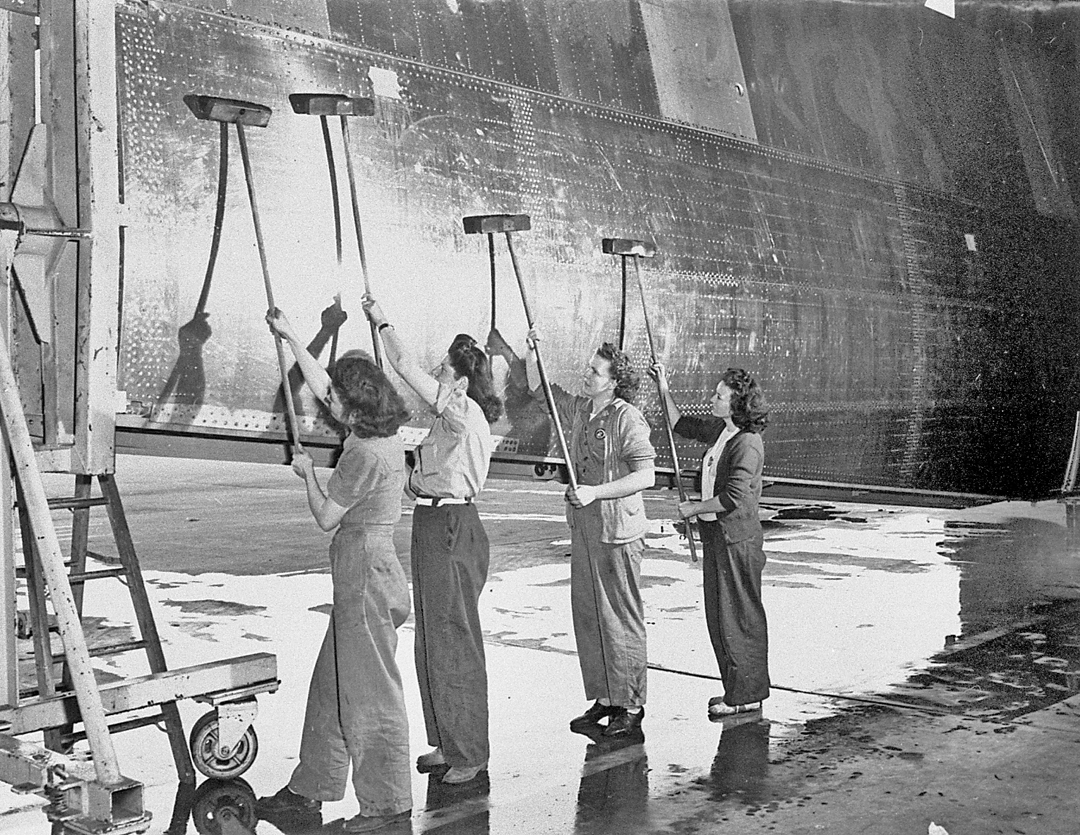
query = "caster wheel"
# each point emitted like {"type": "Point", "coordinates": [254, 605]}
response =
{"type": "Point", "coordinates": [203, 740]}
{"type": "Point", "coordinates": [220, 805]}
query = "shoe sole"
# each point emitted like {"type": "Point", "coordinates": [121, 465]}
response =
{"type": "Point", "coordinates": [476, 776]}
{"type": "Point", "coordinates": [394, 821]}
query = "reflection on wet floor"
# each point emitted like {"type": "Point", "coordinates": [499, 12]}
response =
{"type": "Point", "coordinates": [963, 616]}
{"type": "Point", "coordinates": [1006, 673]}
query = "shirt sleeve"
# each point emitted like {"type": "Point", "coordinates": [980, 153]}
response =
{"type": "Point", "coordinates": [357, 473]}
{"type": "Point", "coordinates": [566, 404]}
{"type": "Point", "coordinates": [746, 462]}
{"type": "Point", "coordinates": [636, 448]}
{"type": "Point", "coordinates": [705, 430]}
{"type": "Point", "coordinates": [454, 409]}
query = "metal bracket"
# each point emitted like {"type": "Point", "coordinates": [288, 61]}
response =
{"type": "Point", "coordinates": [32, 232]}
{"type": "Point", "coordinates": [234, 718]}
{"type": "Point", "coordinates": [78, 799]}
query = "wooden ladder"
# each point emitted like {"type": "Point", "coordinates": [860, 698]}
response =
{"type": "Point", "coordinates": [80, 505]}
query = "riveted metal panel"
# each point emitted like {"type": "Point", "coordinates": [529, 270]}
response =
{"type": "Point", "coordinates": [853, 297]}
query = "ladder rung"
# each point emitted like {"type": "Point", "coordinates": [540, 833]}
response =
{"type": "Point", "coordinates": [20, 570]}
{"type": "Point", "coordinates": [105, 558]}
{"type": "Point", "coordinates": [76, 503]}
{"type": "Point", "coordinates": [77, 577]}
{"type": "Point", "coordinates": [108, 649]}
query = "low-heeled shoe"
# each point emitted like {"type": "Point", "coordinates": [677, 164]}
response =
{"type": "Point", "coordinates": [371, 823]}
{"type": "Point", "coordinates": [592, 716]}
{"type": "Point", "coordinates": [624, 722]}
{"type": "Point", "coordinates": [285, 800]}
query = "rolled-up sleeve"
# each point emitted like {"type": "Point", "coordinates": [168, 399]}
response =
{"type": "Point", "coordinates": [454, 409]}
{"type": "Point", "coordinates": [636, 448]}
{"type": "Point", "coordinates": [355, 475]}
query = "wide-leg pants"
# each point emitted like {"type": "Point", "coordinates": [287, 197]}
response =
{"type": "Point", "coordinates": [356, 705]}
{"type": "Point", "coordinates": [450, 556]}
{"type": "Point", "coordinates": [734, 614]}
{"type": "Point", "coordinates": [609, 619]}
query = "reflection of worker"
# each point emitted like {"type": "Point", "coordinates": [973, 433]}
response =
{"type": "Point", "coordinates": [613, 461]}
{"type": "Point", "coordinates": [330, 322]}
{"type": "Point", "coordinates": [449, 548]}
{"type": "Point", "coordinates": [614, 797]}
{"type": "Point", "coordinates": [529, 421]}
{"type": "Point", "coordinates": [731, 533]}
{"type": "Point", "coordinates": [356, 706]}
{"type": "Point", "coordinates": [741, 765]}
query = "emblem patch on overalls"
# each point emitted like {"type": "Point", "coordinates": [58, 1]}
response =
{"type": "Point", "coordinates": [600, 434]}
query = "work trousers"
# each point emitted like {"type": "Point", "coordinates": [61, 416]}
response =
{"type": "Point", "coordinates": [449, 568]}
{"type": "Point", "coordinates": [734, 613]}
{"type": "Point", "coordinates": [609, 619]}
{"type": "Point", "coordinates": [356, 704]}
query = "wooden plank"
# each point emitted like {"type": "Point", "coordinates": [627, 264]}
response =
{"type": "Point", "coordinates": [98, 178]}
{"type": "Point", "coordinates": [147, 691]}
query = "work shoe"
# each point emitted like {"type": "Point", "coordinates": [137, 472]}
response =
{"type": "Point", "coordinates": [459, 774]}
{"type": "Point", "coordinates": [624, 722]}
{"type": "Point", "coordinates": [430, 761]}
{"type": "Point", "coordinates": [286, 800]}
{"type": "Point", "coordinates": [592, 716]}
{"type": "Point", "coordinates": [721, 710]}
{"type": "Point", "coordinates": [369, 823]}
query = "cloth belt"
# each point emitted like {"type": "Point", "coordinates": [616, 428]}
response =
{"type": "Point", "coordinates": [435, 501]}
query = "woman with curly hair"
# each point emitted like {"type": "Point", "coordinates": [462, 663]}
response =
{"type": "Point", "coordinates": [356, 706]}
{"type": "Point", "coordinates": [449, 548]}
{"type": "Point", "coordinates": [731, 537]}
{"type": "Point", "coordinates": [612, 458]}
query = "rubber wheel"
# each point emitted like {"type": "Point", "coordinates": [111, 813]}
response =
{"type": "Point", "coordinates": [220, 804]}
{"type": "Point", "coordinates": [203, 740]}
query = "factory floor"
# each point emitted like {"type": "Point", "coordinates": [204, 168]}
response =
{"type": "Point", "coordinates": [925, 667]}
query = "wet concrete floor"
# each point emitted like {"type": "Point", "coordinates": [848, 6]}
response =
{"type": "Point", "coordinates": [925, 664]}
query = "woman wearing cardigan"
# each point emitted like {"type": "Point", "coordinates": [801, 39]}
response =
{"type": "Point", "coordinates": [731, 537]}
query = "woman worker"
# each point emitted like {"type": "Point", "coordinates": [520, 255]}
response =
{"type": "Point", "coordinates": [356, 705]}
{"type": "Point", "coordinates": [449, 547]}
{"type": "Point", "coordinates": [613, 459]}
{"type": "Point", "coordinates": [731, 535]}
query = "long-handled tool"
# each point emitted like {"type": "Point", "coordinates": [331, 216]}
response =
{"type": "Point", "coordinates": [508, 224]}
{"type": "Point", "coordinates": [325, 105]}
{"type": "Point", "coordinates": [631, 250]}
{"type": "Point", "coordinates": [241, 114]}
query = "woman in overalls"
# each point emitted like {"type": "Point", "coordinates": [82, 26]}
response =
{"type": "Point", "coordinates": [356, 706]}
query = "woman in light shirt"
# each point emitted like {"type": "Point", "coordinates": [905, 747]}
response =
{"type": "Point", "coordinates": [731, 537]}
{"type": "Point", "coordinates": [450, 548]}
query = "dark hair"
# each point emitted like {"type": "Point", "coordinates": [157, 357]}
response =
{"type": "Point", "coordinates": [468, 360]}
{"type": "Point", "coordinates": [372, 407]}
{"type": "Point", "coordinates": [748, 408]}
{"type": "Point", "coordinates": [627, 381]}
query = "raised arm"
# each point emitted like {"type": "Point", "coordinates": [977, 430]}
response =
{"type": "Point", "coordinates": [565, 402]}
{"type": "Point", "coordinates": [659, 372]}
{"type": "Point", "coordinates": [328, 513]}
{"type": "Point", "coordinates": [314, 374]}
{"type": "Point", "coordinates": [402, 360]}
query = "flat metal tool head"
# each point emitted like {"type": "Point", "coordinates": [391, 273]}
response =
{"type": "Point", "coordinates": [627, 246]}
{"type": "Point", "coordinates": [331, 104]}
{"type": "Point", "coordinates": [233, 111]}
{"type": "Point", "coordinates": [488, 224]}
